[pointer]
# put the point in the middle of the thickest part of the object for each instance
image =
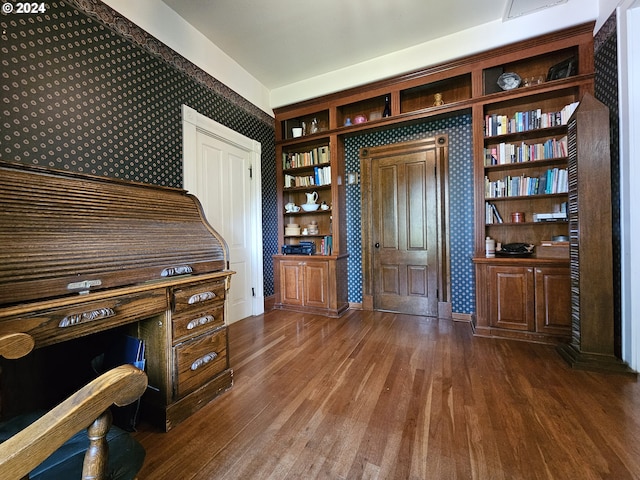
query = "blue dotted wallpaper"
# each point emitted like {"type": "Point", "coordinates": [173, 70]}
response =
{"type": "Point", "coordinates": [460, 202]}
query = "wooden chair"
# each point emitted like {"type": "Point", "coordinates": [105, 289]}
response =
{"type": "Point", "coordinates": [87, 408]}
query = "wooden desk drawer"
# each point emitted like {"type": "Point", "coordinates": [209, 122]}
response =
{"type": "Point", "coordinates": [199, 360]}
{"type": "Point", "coordinates": [196, 322]}
{"type": "Point", "coordinates": [65, 323]}
{"type": "Point", "coordinates": [198, 295]}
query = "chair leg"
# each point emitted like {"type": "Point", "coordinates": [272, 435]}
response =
{"type": "Point", "coordinates": [95, 459]}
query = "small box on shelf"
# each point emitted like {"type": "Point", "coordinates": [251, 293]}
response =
{"type": "Point", "coordinates": [553, 249]}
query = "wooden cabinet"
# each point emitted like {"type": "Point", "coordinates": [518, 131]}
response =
{"type": "Point", "coordinates": [311, 283]}
{"type": "Point", "coordinates": [310, 165]}
{"type": "Point", "coordinates": [525, 300]}
{"type": "Point", "coordinates": [304, 283]}
{"type": "Point", "coordinates": [522, 184]}
{"type": "Point", "coordinates": [188, 359]}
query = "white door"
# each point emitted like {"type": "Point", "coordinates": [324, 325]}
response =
{"type": "Point", "coordinates": [220, 168]}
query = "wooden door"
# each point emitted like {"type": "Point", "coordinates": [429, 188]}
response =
{"type": "Point", "coordinates": [292, 282]}
{"type": "Point", "coordinates": [405, 231]}
{"type": "Point", "coordinates": [316, 283]}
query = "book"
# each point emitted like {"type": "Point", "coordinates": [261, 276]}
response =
{"type": "Point", "coordinates": [496, 213]}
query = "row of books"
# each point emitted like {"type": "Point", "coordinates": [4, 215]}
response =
{"type": "Point", "coordinates": [495, 124]}
{"type": "Point", "coordinates": [492, 215]}
{"type": "Point", "coordinates": [316, 156]}
{"type": "Point", "coordinates": [505, 153]}
{"type": "Point", "coordinates": [321, 176]}
{"type": "Point", "coordinates": [554, 180]}
{"type": "Point", "coordinates": [326, 245]}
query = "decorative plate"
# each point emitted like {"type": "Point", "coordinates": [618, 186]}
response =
{"type": "Point", "coordinates": [509, 81]}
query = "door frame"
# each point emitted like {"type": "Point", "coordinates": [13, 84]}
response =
{"type": "Point", "coordinates": [192, 122]}
{"type": "Point", "coordinates": [367, 156]}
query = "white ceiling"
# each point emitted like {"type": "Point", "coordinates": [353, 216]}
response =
{"type": "Point", "coordinates": [280, 42]}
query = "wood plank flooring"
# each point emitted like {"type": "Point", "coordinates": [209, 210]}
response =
{"type": "Point", "coordinates": [384, 396]}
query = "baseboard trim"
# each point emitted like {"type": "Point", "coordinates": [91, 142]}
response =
{"type": "Point", "coordinates": [462, 317]}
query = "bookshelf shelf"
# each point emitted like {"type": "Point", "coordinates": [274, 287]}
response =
{"type": "Point", "coordinates": [436, 94]}
{"type": "Point", "coordinates": [531, 163]}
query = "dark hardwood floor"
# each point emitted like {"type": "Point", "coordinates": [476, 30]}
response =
{"type": "Point", "coordinates": [385, 396]}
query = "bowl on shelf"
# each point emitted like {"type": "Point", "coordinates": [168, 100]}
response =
{"type": "Point", "coordinates": [310, 207]}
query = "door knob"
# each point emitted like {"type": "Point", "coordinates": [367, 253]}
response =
{"type": "Point", "coordinates": [377, 245]}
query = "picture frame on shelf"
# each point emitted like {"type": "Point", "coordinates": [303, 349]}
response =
{"type": "Point", "coordinates": [564, 69]}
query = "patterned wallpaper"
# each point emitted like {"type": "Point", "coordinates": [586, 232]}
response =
{"type": "Point", "coordinates": [606, 90]}
{"type": "Point", "coordinates": [460, 202]}
{"type": "Point", "coordinates": [86, 90]}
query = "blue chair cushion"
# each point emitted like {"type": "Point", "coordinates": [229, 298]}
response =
{"type": "Point", "coordinates": [126, 455]}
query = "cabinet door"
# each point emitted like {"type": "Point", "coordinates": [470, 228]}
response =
{"type": "Point", "coordinates": [316, 284]}
{"type": "Point", "coordinates": [291, 282]}
{"type": "Point", "coordinates": [511, 297]}
{"type": "Point", "coordinates": [553, 300]}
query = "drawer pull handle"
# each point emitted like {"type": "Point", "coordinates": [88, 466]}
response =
{"type": "Point", "coordinates": [84, 317]}
{"type": "Point", "coordinates": [201, 297]}
{"type": "Point", "coordinates": [177, 270]}
{"type": "Point", "coordinates": [209, 357]}
{"type": "Point", "coordinates": [198, 322]}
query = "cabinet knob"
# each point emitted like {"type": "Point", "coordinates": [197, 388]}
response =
{"type": "Point", "coordinates": [377, 245]}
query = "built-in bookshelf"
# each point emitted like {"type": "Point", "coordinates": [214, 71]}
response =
{"type": "Point", "coordinates": [522, 185]}
{"type": "Point", "coordinates": [310, 269]}
{"type": "Point", "coordinates": [524, 165]}
{"type": "Point", "coordinates": [519, 140]}
{"type": "Point", "coordinates": [306, 173]}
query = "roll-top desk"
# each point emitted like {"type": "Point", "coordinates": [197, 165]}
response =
{"type": "Point", "coordinates": [83, 254]}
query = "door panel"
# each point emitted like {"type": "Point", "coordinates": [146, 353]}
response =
{"type": "Point", "coordinates": [388, 206]}
{"type": "Point", "coordinates": [553, 300]}
{"type": "Point", "coordinates": [418, 283]}
{"type": "Point", "coordinates": [315, 283]}
{"type": "Point", "coordinates": [416, 207]}
{"type": "Point", "coordinates": [291, 283]}
{"type": "Point", "coordinates": [390, 279]}
{"type": "Point", "coordinates": [511, 295]}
